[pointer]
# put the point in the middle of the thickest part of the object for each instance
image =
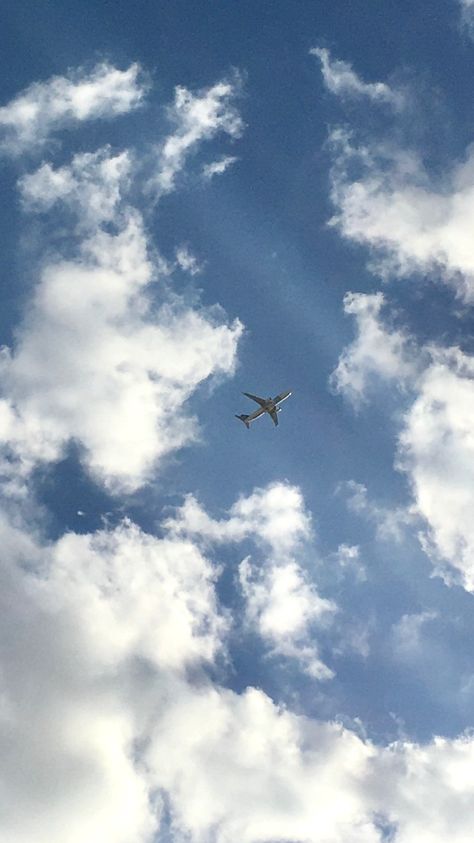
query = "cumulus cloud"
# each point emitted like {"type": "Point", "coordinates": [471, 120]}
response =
{"type": "Point", "coordinates": [101, 725]}
{"type": "Point", "coordinates": [97, 360]}
{"type": "Point", "coordinates": [439, 775]}
{"type": "Point", "coordinates": [284, 606]}
{"type": "Point", "coordinates": [412, 222]}
{"type": "Point", "coordinates": [436, 444]}
{"type": "Point", "coordinates": [93, 364]}
{"type": "Point", "coordinates": [340, 79]}
{"type": "Point", "coordinates": [276, 515]}
{"type": "Point", "coordinates": [84, 622]}
{"type": "Point", "coordinates": [282, 603]}
{"type": "Point", "coordinates": [287, 777]}
{"type": "Point", "coordinates": [93, 348]}
{"type": "Point", "coordinates": [437, 452]}
{"type": "Point", "coordinates": [196, 117]}
{"type": "Point", "coordinates": [112, 726]}
{"type": "Point", "coordinates": [43, 108]}
{"type": "Point", "coordinates": [93, 185]}
{"type": "Point", "coordinates": [377, 350]}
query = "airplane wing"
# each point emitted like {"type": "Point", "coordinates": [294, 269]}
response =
{"type": "Point", "coordinates": [281, 397]}
{"type": "Point", "coordinates": [260, 401]}
{"type": "Point", "coordinates": [274, 416]}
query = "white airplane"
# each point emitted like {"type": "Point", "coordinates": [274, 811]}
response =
{"type": "Point", "coordinates": [267, 405]}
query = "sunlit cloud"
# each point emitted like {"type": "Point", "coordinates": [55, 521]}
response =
{"type": "Point", "coordinates": [282, 604]}
{"type": "Point", "coordinates": [435, 446]}
{"type": "Point", "coordinates": [117, 728]}
{"type": "Point", "coordinates": [341, 79]}
{"type": "Point", "coordinates": [378, 352]}
{"type": "Point", "coordinates": [45, 107]}
{"type": "Point", "coordinates": [93, 346]}
{"type": "Point", "coordinates": [196, 117]}
{"type": "Point", "coordinates": [216, 168]}
{"type": "Point", "coordinates": [411, 223]}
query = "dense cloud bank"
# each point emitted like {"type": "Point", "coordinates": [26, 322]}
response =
{"type": "Point", "coordinates": [101, 724]}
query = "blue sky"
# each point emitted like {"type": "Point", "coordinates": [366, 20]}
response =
{"type": "Point", "coordinates": [209, 632]}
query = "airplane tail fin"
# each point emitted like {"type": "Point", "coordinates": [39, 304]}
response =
{"type": "Point", "coordinates": [244, 418]}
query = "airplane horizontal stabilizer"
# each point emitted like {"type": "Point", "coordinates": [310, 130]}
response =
{"type": "Point", "coordinates": [244, 419]}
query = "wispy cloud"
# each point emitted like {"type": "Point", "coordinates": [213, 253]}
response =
{"type": "Point", "coordinates": [43, 108]}
{"type": "Point", "coordinates": [186, 261]}
{"type": "Point", "coordinates": [341, 79]}
{"type": "Point", "coordinates": [467, 15]}
{"type": "Point", "coordinates": [216, 168]}
{"type": "Point", "coordinates": [391, 523]}
{"type": "Point", "coordinates": [347, 557]}
{"type": "Point", "coordinates": [407, 635]}
{"type": "Point", "coordinates": [196, 117]}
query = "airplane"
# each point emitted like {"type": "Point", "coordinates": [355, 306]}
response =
{"type": "Point", "coordinates": [267, 405]}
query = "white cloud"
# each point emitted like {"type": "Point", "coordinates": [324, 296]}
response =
{"type": "Point", "coordinates": [437, 452]}
{"type": "Point", "coordinates": [43, 108]}
{"type": "Point", "coordinates": [106, 712]}
{"type": "Point", "coordinates": [93, 184]}
{"type": "Point", "coordinates": [197, 117]}
{"type": "Point", "coordinates": [187, 261]}
{"type": "Point", "coordinates": [340, 79]}
{"type": "Point", "coordinates": [412, 223]}
{"type": "Point", "coordinates": [282, 604]}
{"type": "Point", "coordinates": [276, 515]}
{"type": "Point", "coordinates": [96, 360]}
{"type": "Point", "coordinates": [99, 721]}
{"type": "Point", "coordinates": [406, 635]}
{"type": "Point", "coordinates": [348, 558]}
{"type": "Point", "coordinates": [436, 443]}
{"type": "Point", "coordinates": [376, 351]}
{"type": "Point", "coordinates": [390, 522]}
{"type": "Point", "coordinates": [425, 789]}
{"type": "Point", "coordinates": [216, 168]}
{"type": "Point", "coordinates": [86, 622]}
{"type": "Point", "coordinates": [93, 361]}
{"type": "Point", "coordinates": [122, 577]}
{"type": "Point", "coordinates": [238, 767]}
{"type": "Point", "coordinates": [467, 15]}
{"type": "Point", "coordinates": [284, 607]}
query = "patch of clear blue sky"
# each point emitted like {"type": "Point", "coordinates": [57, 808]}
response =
{"type": "Point", "coordinates": [271, 261]}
